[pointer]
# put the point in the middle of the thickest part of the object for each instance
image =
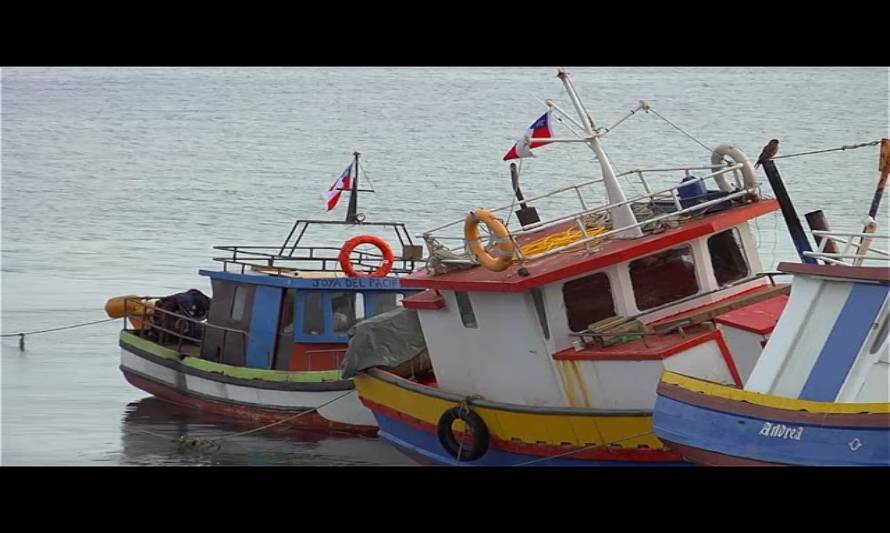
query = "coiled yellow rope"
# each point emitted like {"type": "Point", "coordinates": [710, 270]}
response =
{"type": "Point", "coordinates": [559, 239]}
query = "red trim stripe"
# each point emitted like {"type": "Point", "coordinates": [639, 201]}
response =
{"type": "Point", "coordinates": [428, 299]}
{"type": "Point", "coordinates": [567, 265]}
{"type": "Point", "coordinates": [727, 356]}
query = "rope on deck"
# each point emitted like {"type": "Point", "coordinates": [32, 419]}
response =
{"type": "Point", "coordinates": [21, 335]}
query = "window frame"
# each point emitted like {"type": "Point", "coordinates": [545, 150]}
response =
{"type": "Point", "coordinates": [737, 238]}
{"type": "Point", "coordinates": [328, 335]}
{"type": "Point", "coordinates": [239, 289]}
{"type": "Point", "coordinates": [461, 309]}
{"type": "Point", "coordinates": [611, 297]}
{"type": "Point", "coordinates": [695, 274]}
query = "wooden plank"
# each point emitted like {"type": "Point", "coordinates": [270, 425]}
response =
{"type": "Point", "coordinates": [712, 311]}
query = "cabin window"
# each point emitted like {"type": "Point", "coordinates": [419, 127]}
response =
{"type": "Point", "coordinates": [285, 332]}
{"type": "Point", "coordinates": [881, 337]}
{"type": "Point", "coordinates": [588, 300]}
{"type": "Point", "coordinates": [538, 298]}
{"type": "Point", "coordinates": [381, 302]}
{"type": "Point", "coordinates": [343, 309]}
{"type": "Point", "coordinates": [313, 314]}
{"type": "Point", "coordinates": [239, 303]}
{"type": "Point", "coordinates": [727, 257]}
{"type": "Point", "coordinates": [467, 316]}
{"type": "Point", "coordinates": [662, 278]}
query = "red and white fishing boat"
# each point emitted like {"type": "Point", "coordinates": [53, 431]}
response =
{"type": "Point", "coordinates": [548, 337]}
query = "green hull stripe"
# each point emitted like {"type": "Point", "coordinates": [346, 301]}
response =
{"type": "Point", "coordinates": [229, 370]}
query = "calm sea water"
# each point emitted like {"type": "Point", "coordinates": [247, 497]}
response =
{"type": "Point", "coordinates": [120, 180]}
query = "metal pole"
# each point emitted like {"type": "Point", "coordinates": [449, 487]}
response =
{"type": "Point", "coordinates": [788, 212]}
{"type": "Point", "coordinates": [514, 177]}
{"type": "Point", "coordinates": [884, 168]}
{"type": "Point", "coordinates": [353, 195]}
{"type": "Point", "coordinates": [871, 225]}
{"type": "Point", "coordinates": [622, 215]}
{"type": "Point", "coordinates": [818, 222]}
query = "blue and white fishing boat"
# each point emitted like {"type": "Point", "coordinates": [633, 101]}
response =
{"type": "Point", "coordinates": [819, 394]}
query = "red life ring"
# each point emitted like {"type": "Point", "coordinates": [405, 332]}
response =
{"type": "Point", "coordinates": [389, 258]}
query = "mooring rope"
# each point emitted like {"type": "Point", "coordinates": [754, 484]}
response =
{"type": "Point", "coordinates": [572, 452]}
{"type": "Point", "coordinates": [21, 335]}
{"type": "Point", "coordinates": [58, 329]}
{"type": "Point", "coordinates": [212, 444]}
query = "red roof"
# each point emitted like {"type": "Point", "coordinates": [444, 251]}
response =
{"type": "Point", "coordinates": [575, 262]}
{"type": "Point", "coordinates": [760, 317]}
{"type": "Point", "coordinates": [652, 347]}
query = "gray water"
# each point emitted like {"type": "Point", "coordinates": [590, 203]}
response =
{"type": "Point", "coordinates": [119, 181]}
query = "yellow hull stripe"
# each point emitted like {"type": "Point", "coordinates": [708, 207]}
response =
{"type": "Point", "coordinates": [768, 400]}
{"type": "Point", "coordinates": [551, 429]}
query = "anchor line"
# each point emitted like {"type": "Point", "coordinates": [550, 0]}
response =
{"type": "Point", "coordinates": [214, 442]}
{"type": "Point", "coordinates": [57, 329]}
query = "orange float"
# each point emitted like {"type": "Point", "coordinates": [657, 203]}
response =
{"type": "Point", "coordinates": [389, 258]}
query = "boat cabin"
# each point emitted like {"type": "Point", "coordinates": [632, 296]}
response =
{"type": "Point", "coordinates": [291, 307]}
{"type": "Point", "coordinates": [833, 341]}
{"type": "Point", "coordinates": [691, 285]}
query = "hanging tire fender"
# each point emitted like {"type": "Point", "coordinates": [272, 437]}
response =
{"type": "Point", "coordinates": [481, 438]}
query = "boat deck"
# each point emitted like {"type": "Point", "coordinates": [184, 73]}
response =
{"type": "Point", "coordinates": [545, 270]}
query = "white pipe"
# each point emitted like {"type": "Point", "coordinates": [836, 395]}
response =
{"type": "Point", "coordinates": [622, 215]}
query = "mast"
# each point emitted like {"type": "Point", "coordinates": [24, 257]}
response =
{"type": "Point", "coordinates": [352, 211]}
{"type": "Point", "coordinates": [621, 215]}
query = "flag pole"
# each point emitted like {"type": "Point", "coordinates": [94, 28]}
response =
{"type": "Point", "coordinates": [352, 211]}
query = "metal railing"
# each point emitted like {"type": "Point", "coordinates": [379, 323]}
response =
{"type": "Point", "coordinates": [339, 358]}
{"type": "Point", "coordinates": [182, 324]}
{"type": "Point", "coordinates": [290, 256]}
{"type": "Point", "coordinates": [305, 258]}
{"type": "Point", "coordinates": [670, 194]}
{"type": "Point", "coordinates": [862, 253]}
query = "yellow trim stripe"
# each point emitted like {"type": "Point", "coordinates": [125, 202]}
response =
{"type": "Point", "coordinates": [551, 429]}
{"type": "Point", "coordinates": [768, 400]}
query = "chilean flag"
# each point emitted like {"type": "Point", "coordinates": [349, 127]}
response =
{"type": "Point", "coordinates": [332, 195]}
{"type": "Point", "coordinates": [540, 129]}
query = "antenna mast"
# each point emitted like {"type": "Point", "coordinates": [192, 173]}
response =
{"type": "Point", "coordinates": [621, 215]}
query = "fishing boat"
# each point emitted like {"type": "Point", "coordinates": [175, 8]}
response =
{"type": "Point", "coordinates": [819, 394]}
{"type": "Point", "coordinates": [547, 336]}
{"type": "Point", "coordinates": [268, 346]}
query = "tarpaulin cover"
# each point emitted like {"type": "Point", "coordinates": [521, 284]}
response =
{"type": "Point", "coordinates": [389, 340]}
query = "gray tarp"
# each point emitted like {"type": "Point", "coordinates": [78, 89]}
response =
{"type": "Point", "coordinates": [390, 340]}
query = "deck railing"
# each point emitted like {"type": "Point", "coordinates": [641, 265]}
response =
{"type": "Point", "coordinates": [671, 194]}
{"type": "Point", "coordinates": [291, 256]}
{"type": "Point", "coordinates": [181, 326]}
{"type": "Point", "coordinates": [856, 251]}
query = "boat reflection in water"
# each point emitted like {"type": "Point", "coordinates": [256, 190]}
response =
{"type": "Point", "coordinates": [151, 430]}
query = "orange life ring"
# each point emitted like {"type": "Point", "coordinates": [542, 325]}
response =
{"type": "Point", "coordinates": [503, 257]}
{"type": "Point", "coordinates": [389, 258]}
